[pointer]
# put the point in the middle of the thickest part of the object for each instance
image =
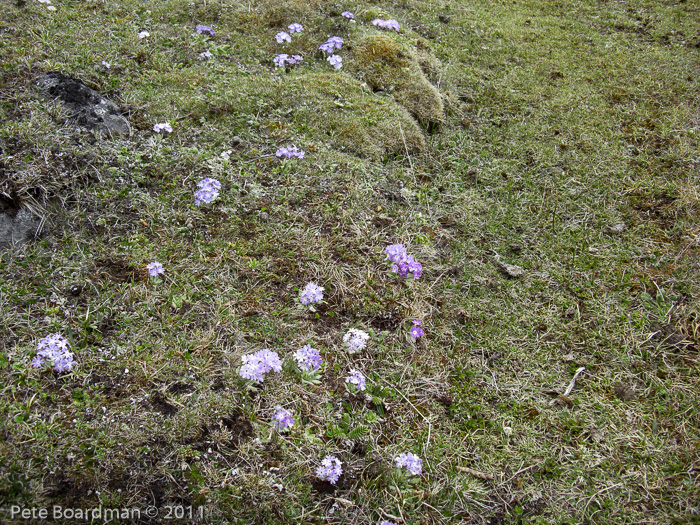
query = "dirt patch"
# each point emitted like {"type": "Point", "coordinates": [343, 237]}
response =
{"type": "Point", "coordinates": [119, 270]}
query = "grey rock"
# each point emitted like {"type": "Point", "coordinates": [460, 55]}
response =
{"type": "Point", "coordinates": [18, 229]}
{"type": "Point", "coordinates": [86, 107]}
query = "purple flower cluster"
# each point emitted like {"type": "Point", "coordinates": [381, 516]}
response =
{"type": "Point", "coordinates": [356, 378]}
{"type": "Point", "coordinates": [205, 30]}
{"type": "Point", "coordinates": [283, 59]}
{"type": "Point", "coordinates": [256, 365]}
{"type": "Point", "coordinates": [165, 126]}
{"type": "Point", "coordinates": [403, 263]}
{"type": "Point", "coordinates": [336, 61]}
{"type": "Point", "coordinates": [416, 330]}
{"type": "Point", "coordinates": [56, 349]}
{"type": "Point", "coordinates": [206, 55]}
{"type": "Point", "coordinates": [312, 293]}
{"type": "Point", "coordinates": [387, 523]}
{"type": "Point", "coordinates": [295, 28]}
{"type": "Point", "coordinates": [283, 36]}
{"type": "Point", "coordinates": [334, 42]}
{"type": "Point", "coordinates": [410, 462]}
{"type": "Point", "coordinates": [207, 192]}
{"type": "Point", "coordinates": [282, 419]}
{"type": "Point", "coordinates": [308, 358]}
{"type": "Point", "coordinates": [386, 24]}
{"type": "Point", "coordinates": [348, 15]}
{"type": "Point", "coordinates": [330, 470]}
{"type": "Point", "coordinates": [155, 269]}
{"type": "Point", "coordinates": [290, 152]}
{"type": "Point", "coordinates": [355, 340]}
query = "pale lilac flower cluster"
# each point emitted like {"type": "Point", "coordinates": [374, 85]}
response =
{"type": "Point", "coordinates": [387, 523]}
{"type": "Point", "coordinates": [355, 340]}
{"type": "Point", "coordinates": [144, 34]}
{"type": "Point", "coordinates": [334, 42]}
{"type": "Point", "coordinates": [290, 152]}
{"type": "Point", "coordinates": [165, 126]}
{"type": "Point", "coordinates": [155, 269]}
{"type": "Point", "coordinates": [283, 36]}
{"type": "Point", "coordinates": [295, 28]}
{"type": "Point", "coordinates": [206, 55]}
{"type": "Point", "coordinates": [356, 378]}
{"type": "Point", "coordinates": [207, 192]}
{"type": "Point", "coordinates": [256, 365]}
{"type": "Point", "coordinates": [282, 419]}
{"type": "Point", "coordinates": [56, 349]}
{"type": "Point", "coordinates": [330, 470]}
{"type": "Point", "coordinates": [308, 358]}
{"type": "Point", "coordinates": [284, 59]}
{"type": "Point", "coordinates": [348, 15]}
{"type": "Point", "coordinates": [386, 24]}
{"type": "Point", "coordinates": [336, 61]}
{"type": "Point", "coordinates": [416, 330]}
{"type": "Point", "coordinates": [403, 263]}
{"type": "Point", "coordinates": [312, 293]}
{"type": "Point", "coordinates": [205, 30]}
{"type": "Point", "coordinates": [412, 463]}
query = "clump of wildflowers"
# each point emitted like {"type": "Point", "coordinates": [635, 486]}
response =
{"type": "Point", "coordinates": [206, 55]}
{"type": "Point", "coordinates": [155, 269]}
{"type": "Point", "coordinates": [207, 192]}
{"type": "Point", "coordinates": [387, 523]}
{"type": "Point", "coordinates": [283, 36]}
{"type": "Point", "coordinates": [295, 28]}
{"type": "Point", "coordinates": [56, 349]}
{"type": "Point", "coordinates": [336, 61]}
{"type": "Point", "coordinates": [284, 59]}
{"type": "Point", "coordinates": [165, 126]}
{"type": "Point", "coordinates": [334, 42]}
{"type": "Point", "coordinates": [308, 358]}
{"type": "Point", "coordinates": [403, 263]}
{"type": "Point", "coordinates": [356, 378]}
{"type": "Point", "coordinates": [348, 15]}
{"type": "Point", "coordinates": [355, 340]}
{"type": "Point", "coordinates": [290, 152]}
{"type": "Point", "coordinates": [416, 330]}
{"type": "Point", "coordinates": [330, 470]}
{"type": "Point", "coordinates": [282, 419]}
{"type": "Point", "coordinates": [205, 30]}
{"type": "Point", "coordinates": [312, 293]}
{"type": "Point", "coordinates": [386, 24]}
{"type": "Point", "coordinates": [412, 463]}
{"type": "Point", "coordinates": [256, 365]}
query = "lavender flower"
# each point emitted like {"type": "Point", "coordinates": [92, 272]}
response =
{"type": "Point", "coordinates": [334, 42]}
{"type": "Point", "coordinates": [356, 378]}
{"type": "Point", "coordinates": [155, 269]}
{"type": "Point", "coordinates": [205, 56]}
{"type": "Point", "coordinates": [106, 64]}
{"type": "Point", "coordinates": [330, 470]}
{"type": "Point", "coordinates": [283, 36]}
{"type": "Point", "coordinates": [144, 34]}
{"type": "Point", "coordinates": [410, 462]}
{"type": "Point", "coordinates": [282, 419]}
{"type": "Point", "coordinates": [207, 192]}
{"type": "Point", "coordinates": [403, 263]}
{"type": "Point", "coordinates": [387, 523]}
{"type": "Point", "coordinates": [290, 152]}
{"type": "Point", "coordinates": [416, 330]}
{"type": "Point", "coordinates": [283, 59]}
{"type": "Point", "coordinates": [165, 126]}
{"type": "Point", "coordinates": [256, 365]}
{"type": "Point", "coordinates": [335, 61]}
{"type": "Point", "coordinates": [308, 358]}
{"type": "Point", "coordinates": [348, 15]}
{"type": "Point", "coordinates": [326, 48]}
{"type": "Point", "coordinates": [355, 340]}
{"type": "Point", "coordinates": [312, 293]}
{"type": "Point", "coordinates": [205, 30]}
{"type": "Point", "coordinates": [295, 28]}
{"type": "Point", "coordinates": [386, 24]}
{"type": "Point", "coordinates": [56, 349]}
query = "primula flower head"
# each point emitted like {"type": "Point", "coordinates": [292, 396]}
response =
{"type": "Point", "coordinates": [207, 192]}
{"type": "Point", "coordinates": [283, 36]}
{"type": "Point", "coordinates": [416, 330]}
{"type": "Point", "coordinates": [155, 269]}
{"type": "Point", "coordinates": [282, 419]}
{"type": "Point", "coordinates": [412, 463]}
{"type": "Point", "coordinates": [355, 340]}
{"type": "Point", "coordinates": [335, 61]}
{"type": "Point", "coordinates": [206, 55]}
{"type": "Point", "coordinates": [330, 470]}
{"type": "Point", "coordinates": [387, 523]}
{"type": "Point", "coordinates": [334, 42]}
{"type": "Point", "coordinates": [256, 365]}
{"type": "Point", "coordinates": [403, 263]}
{"type": "Point", "coordinates": [312, 293]}
{"type": "Point", "coordinates": [348, 15]}
{"type": "Point", "coordinates": [386, 24]}
{"type": "Point", "coordinates": [202, 30]}
{"type": "Point", "coordinates": [295, 28]}
{"type": "Point", "coordinates": [308, 358]}
{"type": "Point", "coordinates": [165, 126]}
{"type": "Point", "coordinates": [356, 378]}
{"type": "Point", "coordinates": [284, 59]}
{"type": "Point", "coordinates": [54, 348]}
{"type": "Point", "coordinates": [290, 152]}
{"type": "Point", "coordinates": [144, 34]}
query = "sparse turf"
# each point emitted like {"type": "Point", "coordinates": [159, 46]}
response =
{"type": "Point", "coordinates": [560, 137]}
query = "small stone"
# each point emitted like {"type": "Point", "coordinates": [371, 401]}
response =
{"type": "Point", "coordinates": [511, 270]}
{"type": "Point", "coordinates": [625, 392]}
{"type": "Point", "coordinates": [445, 19]}
{"type": "Point", "coordinates": [516, 247]}
{"type": "Point", "coordinates": [236, 140]}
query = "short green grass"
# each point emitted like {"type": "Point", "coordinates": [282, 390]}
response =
{"type": "Point", "coordinates": [559, 136]}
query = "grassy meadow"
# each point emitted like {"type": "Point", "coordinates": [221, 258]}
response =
{"type": "Point", "coordinates": [539, 158]}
